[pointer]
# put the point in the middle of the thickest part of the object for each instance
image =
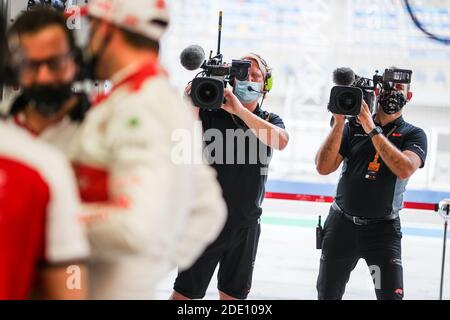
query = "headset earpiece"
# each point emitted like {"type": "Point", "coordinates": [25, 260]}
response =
{"type": "Point", "coordinates": [268, 79]}
{"type": "Point", "coordinates": [268, 82]}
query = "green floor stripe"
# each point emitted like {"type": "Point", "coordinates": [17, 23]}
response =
{"type": "Point", "coordinates": [304, 223]}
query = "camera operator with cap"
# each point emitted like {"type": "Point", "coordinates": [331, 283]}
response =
{"type": "Point", "coordinates": [145, 213]}
{"type": "Point", "coordinates": [379, 155]}
{"type": "Point", "coordinates": [47, 107]}
{"type": "Point", "coordinates": [242, 183]}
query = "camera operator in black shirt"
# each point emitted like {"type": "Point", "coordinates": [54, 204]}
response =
{"type": "Point", "coordinates": [242, 181]}
{"type": "Point", "coordinates": [379, 154]}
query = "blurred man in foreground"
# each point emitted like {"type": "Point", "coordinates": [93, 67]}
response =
{"type": "Point", "coordinates": [146, 213]}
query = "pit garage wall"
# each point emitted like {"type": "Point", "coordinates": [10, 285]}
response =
{"type": "Point", "coordinates": [304, 41]}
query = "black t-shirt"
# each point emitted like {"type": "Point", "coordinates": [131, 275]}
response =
{"type": "Point", "coordinates": [241, 161]}
{"type": "Point", "coordinates": [359, 196]}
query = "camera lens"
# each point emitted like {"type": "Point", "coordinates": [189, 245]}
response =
{"type": "Point", "coordinates": [346, 101]}
{"type": "Point", "coordinates": [207, 92]}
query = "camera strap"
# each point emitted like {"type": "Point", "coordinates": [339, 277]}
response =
{"type": "Point", "coordinates": [374, 166]}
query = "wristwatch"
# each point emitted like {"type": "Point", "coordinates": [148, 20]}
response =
{"type": "Point", "coordinates": [374, 132]}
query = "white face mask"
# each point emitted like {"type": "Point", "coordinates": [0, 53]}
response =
{"type": "Point", "coordinates": [247, 91]}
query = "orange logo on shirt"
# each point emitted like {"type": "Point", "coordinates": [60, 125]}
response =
{"type": "Point", "coordinates": [399, 291]}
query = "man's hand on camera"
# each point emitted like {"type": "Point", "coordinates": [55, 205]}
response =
{"type": "Point", "coordinates": [187, 90]}
{"type": "Point", "coordinates": [365, 118]}
{"type": "Point", "coordinates": [339, 119]}
{"type": "Point", "coordinates": [232, 104]}
{"type": "Point", "coordinates": [188, 100]}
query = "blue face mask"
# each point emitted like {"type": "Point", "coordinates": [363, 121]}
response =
{"type": "Point", "coordinates": [242, 92]}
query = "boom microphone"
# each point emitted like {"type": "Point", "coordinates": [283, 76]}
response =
{"type": "Point", "coordinates": [192, 57]}
{"type": "Point", "coordinates": [249, 88]}
{"type": "Point", "coordinates": [343, 76]}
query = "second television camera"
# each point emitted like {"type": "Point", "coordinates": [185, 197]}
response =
{"type": "Point", "coordinates": [207, 90]}
{"type": "Point", "coordinates": [351, 89]}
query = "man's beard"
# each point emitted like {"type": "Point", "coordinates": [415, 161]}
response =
{"type": "Point", "coordinates": [48, 100]}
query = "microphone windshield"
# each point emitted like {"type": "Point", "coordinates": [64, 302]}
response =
{"type": "Point", "coordinates": [192, 57]}
{"type": "Point", "coordinates": [343, 76]}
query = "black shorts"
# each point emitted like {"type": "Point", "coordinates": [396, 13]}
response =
{"type": "Point", "coordinates": [344, 243]}
{"type": "Point", "coordinates": [235, 252]}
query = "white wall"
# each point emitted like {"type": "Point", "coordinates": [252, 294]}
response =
{"type": "Point", "coordinates": [304, 41]}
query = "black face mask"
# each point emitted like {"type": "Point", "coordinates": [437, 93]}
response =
{"type": "Point", "coordinates": [392, 101]}
{"type": "Point", "coordinates": [48, 100]}
{"type": "Point", "coordinates": [91, 59]}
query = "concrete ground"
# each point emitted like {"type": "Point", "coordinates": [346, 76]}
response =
{"type": "Point", "coordinates": [287, 262]}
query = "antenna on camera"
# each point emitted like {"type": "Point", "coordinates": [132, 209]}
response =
{"type": "Point", "coordinates": [219, 40]}
{"type": "Point", "coordinates": [207, 90]}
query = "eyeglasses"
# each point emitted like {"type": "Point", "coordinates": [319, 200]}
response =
{"type": "Point", "coordinates": [55, 64]}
